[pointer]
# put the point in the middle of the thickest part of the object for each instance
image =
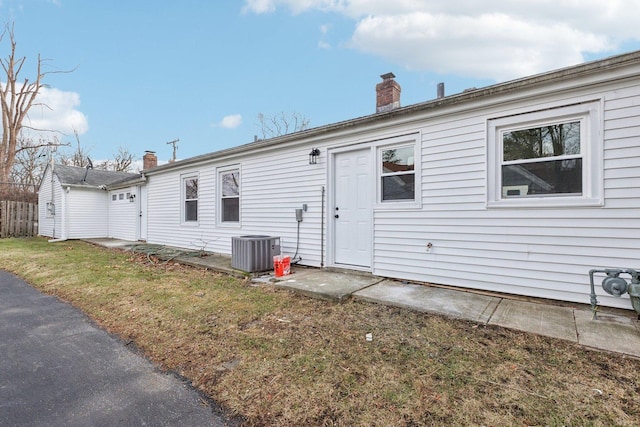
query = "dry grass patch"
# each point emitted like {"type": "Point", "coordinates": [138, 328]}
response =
{"type": "Point", "coordinates": [275, 358]}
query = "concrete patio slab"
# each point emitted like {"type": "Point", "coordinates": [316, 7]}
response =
{"type": "Point", "coordinates": [321, 284]}
{"type": "Point", "coordinates": [112, 243]}
{"type": "Point", "coordinates": [214, 262]}
{"type": "Point", "coordinates": [547, 320]}
{"type": "Point", "coordinates": [608, 332]}
{"type": "Point", "coordinates": [463, 305]}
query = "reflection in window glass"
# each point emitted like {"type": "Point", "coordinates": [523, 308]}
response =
{"type": "Point", "coordinates": [399, 187]}
{"type": "Point", "coordinates": [230, 184]}
{"type": "Point", "coordinates": [397, 174]}
{"type": "Point", "coordinates": [190, 199]}
{"type": "Point", "coordinates": [230, 196]}
{"type": "Point", "coordinates": [397, 160]}
{"type": "Point", "coordinates": [542, 160]}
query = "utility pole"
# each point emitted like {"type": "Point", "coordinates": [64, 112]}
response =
{"type": "Point", "coordinates": [175, 148]}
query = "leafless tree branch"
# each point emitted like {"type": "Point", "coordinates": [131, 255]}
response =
{"type": "Point", "coordinates": [281, 124]}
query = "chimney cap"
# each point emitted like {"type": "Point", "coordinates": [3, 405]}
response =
{"type": "Point", "coordinates": [149, 152]}
{"type": "Point", "coordinates": [387, 76]}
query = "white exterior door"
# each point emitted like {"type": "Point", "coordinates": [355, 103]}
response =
{"type": "Point", "coordinates": [352, 208]}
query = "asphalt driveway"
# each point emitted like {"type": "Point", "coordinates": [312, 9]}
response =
{"type": "Point", "coordinates": [59, 369]}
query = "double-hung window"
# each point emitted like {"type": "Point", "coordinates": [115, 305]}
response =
{"type": "Point", "coordinates": [542, 160]}
{"type": "Point", "coordinates": [190, 198]}
{"type": "Point", "coordinates": [546, 158]}
{"type": "Point", "coordinates": [229, 190]}
{"type": "Point", "coordinates": [397, 173]}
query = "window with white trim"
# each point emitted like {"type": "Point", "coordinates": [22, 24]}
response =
{"type": "Point", "coordinates": [397, 173]}
{"type": "Point", "coordinates": [546, 158]}
{"type": "Point", "coordinates": [190, 198]}
{"type": "Point", "coordinates": [229, 191]}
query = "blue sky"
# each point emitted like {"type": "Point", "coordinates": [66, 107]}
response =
{"type": "Point", "coordinates": [148, 72]}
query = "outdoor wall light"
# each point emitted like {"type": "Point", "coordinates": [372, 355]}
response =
{"type": "Point", "coordinates": [313, 156]}
{"type": "Point", "coordinates": [132, 198]}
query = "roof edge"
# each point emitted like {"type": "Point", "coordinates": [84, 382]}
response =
{"type": "Point", "coordinates": [558, 75]}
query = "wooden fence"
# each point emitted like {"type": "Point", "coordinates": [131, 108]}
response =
{"type": "Point", "coordinates": [18, 219]}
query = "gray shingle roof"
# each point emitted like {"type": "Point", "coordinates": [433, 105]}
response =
{"type": "Point", "coordinates": [74, 175]}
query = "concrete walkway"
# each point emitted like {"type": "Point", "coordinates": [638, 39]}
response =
{"type": "Point", "coordinates": [613, 330]}
{"type": "Point", "coordinates": [58, 369]}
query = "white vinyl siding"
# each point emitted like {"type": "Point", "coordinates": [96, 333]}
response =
{"type": "Point", "coordinates": [50, 225]}
{"type": "Point", "coordinates": [123, 215]}
{"type": "Point", "coordinates": [268, 202]}
{"type": "Point", "coordinates": [79, 212]}
{"type": "Point", "coordinates": [86, 213]}
{"type": "Point", "coordinates": [531, 251]}
{"type": "Point", "coordinates": [536, 251]}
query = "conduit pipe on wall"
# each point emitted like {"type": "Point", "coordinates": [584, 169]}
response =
{"type": "Point", "coordinates": [322, 229]}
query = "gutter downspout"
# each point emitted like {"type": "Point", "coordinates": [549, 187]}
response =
{"type": "Point", "coordinates": [53, 199]}
{"type": "Point", "coordinates": [322, 231]}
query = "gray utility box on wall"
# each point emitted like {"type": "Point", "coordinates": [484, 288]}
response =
{"type": "Point", "coordinates": [254, 253]}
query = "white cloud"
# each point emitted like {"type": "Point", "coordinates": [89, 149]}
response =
{"type": "Point", "coordinates": [56, 112]}
{"type": "Point", "coordinates": [322, 44]}
{"type": "Point", "coordinates": [493, 39]}
{"type": "Point", "coordinates": [231, 121]}
{"type": "Point", "coordinates": [494, 46]}
{"type": "Point", "coordinates": [259, 6]}
{"type": "Point", "coordinates": [296, 6]}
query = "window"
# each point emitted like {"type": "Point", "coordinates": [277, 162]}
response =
{"type": "Point", "coordinates": [190, 198]}
{"type": "Point", "coordinates": [542, 160]}
{"type": "Point", "coordinates": [397, 173]}
{"type": "Point", "coordinates": [114, 197]}
{"type": "Point", "coordinates": [121, 196]}
{"type": "Point", "coordinates": [546, 158]}
{"type": "Point", "coordinates": [229, 190]}
{"type": "Point", "coordinates": [51, 209]}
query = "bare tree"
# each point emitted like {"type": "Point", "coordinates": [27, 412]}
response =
{"type": "Point", "coordinates": [121, 162]}
{"type": "Point", "coordinates": [29, 164]}
{"type": "Point", "coordinates": [281, 124]}
{"type": "Point", "coordinates": [79, 157]}
{"type": "Point", "coordinates": [16, 98]}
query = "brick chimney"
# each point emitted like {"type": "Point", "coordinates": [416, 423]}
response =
{"type": "Point", "coordinates": [387, 94]}
{"type": "Point", "coordinates": [149, 160]}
